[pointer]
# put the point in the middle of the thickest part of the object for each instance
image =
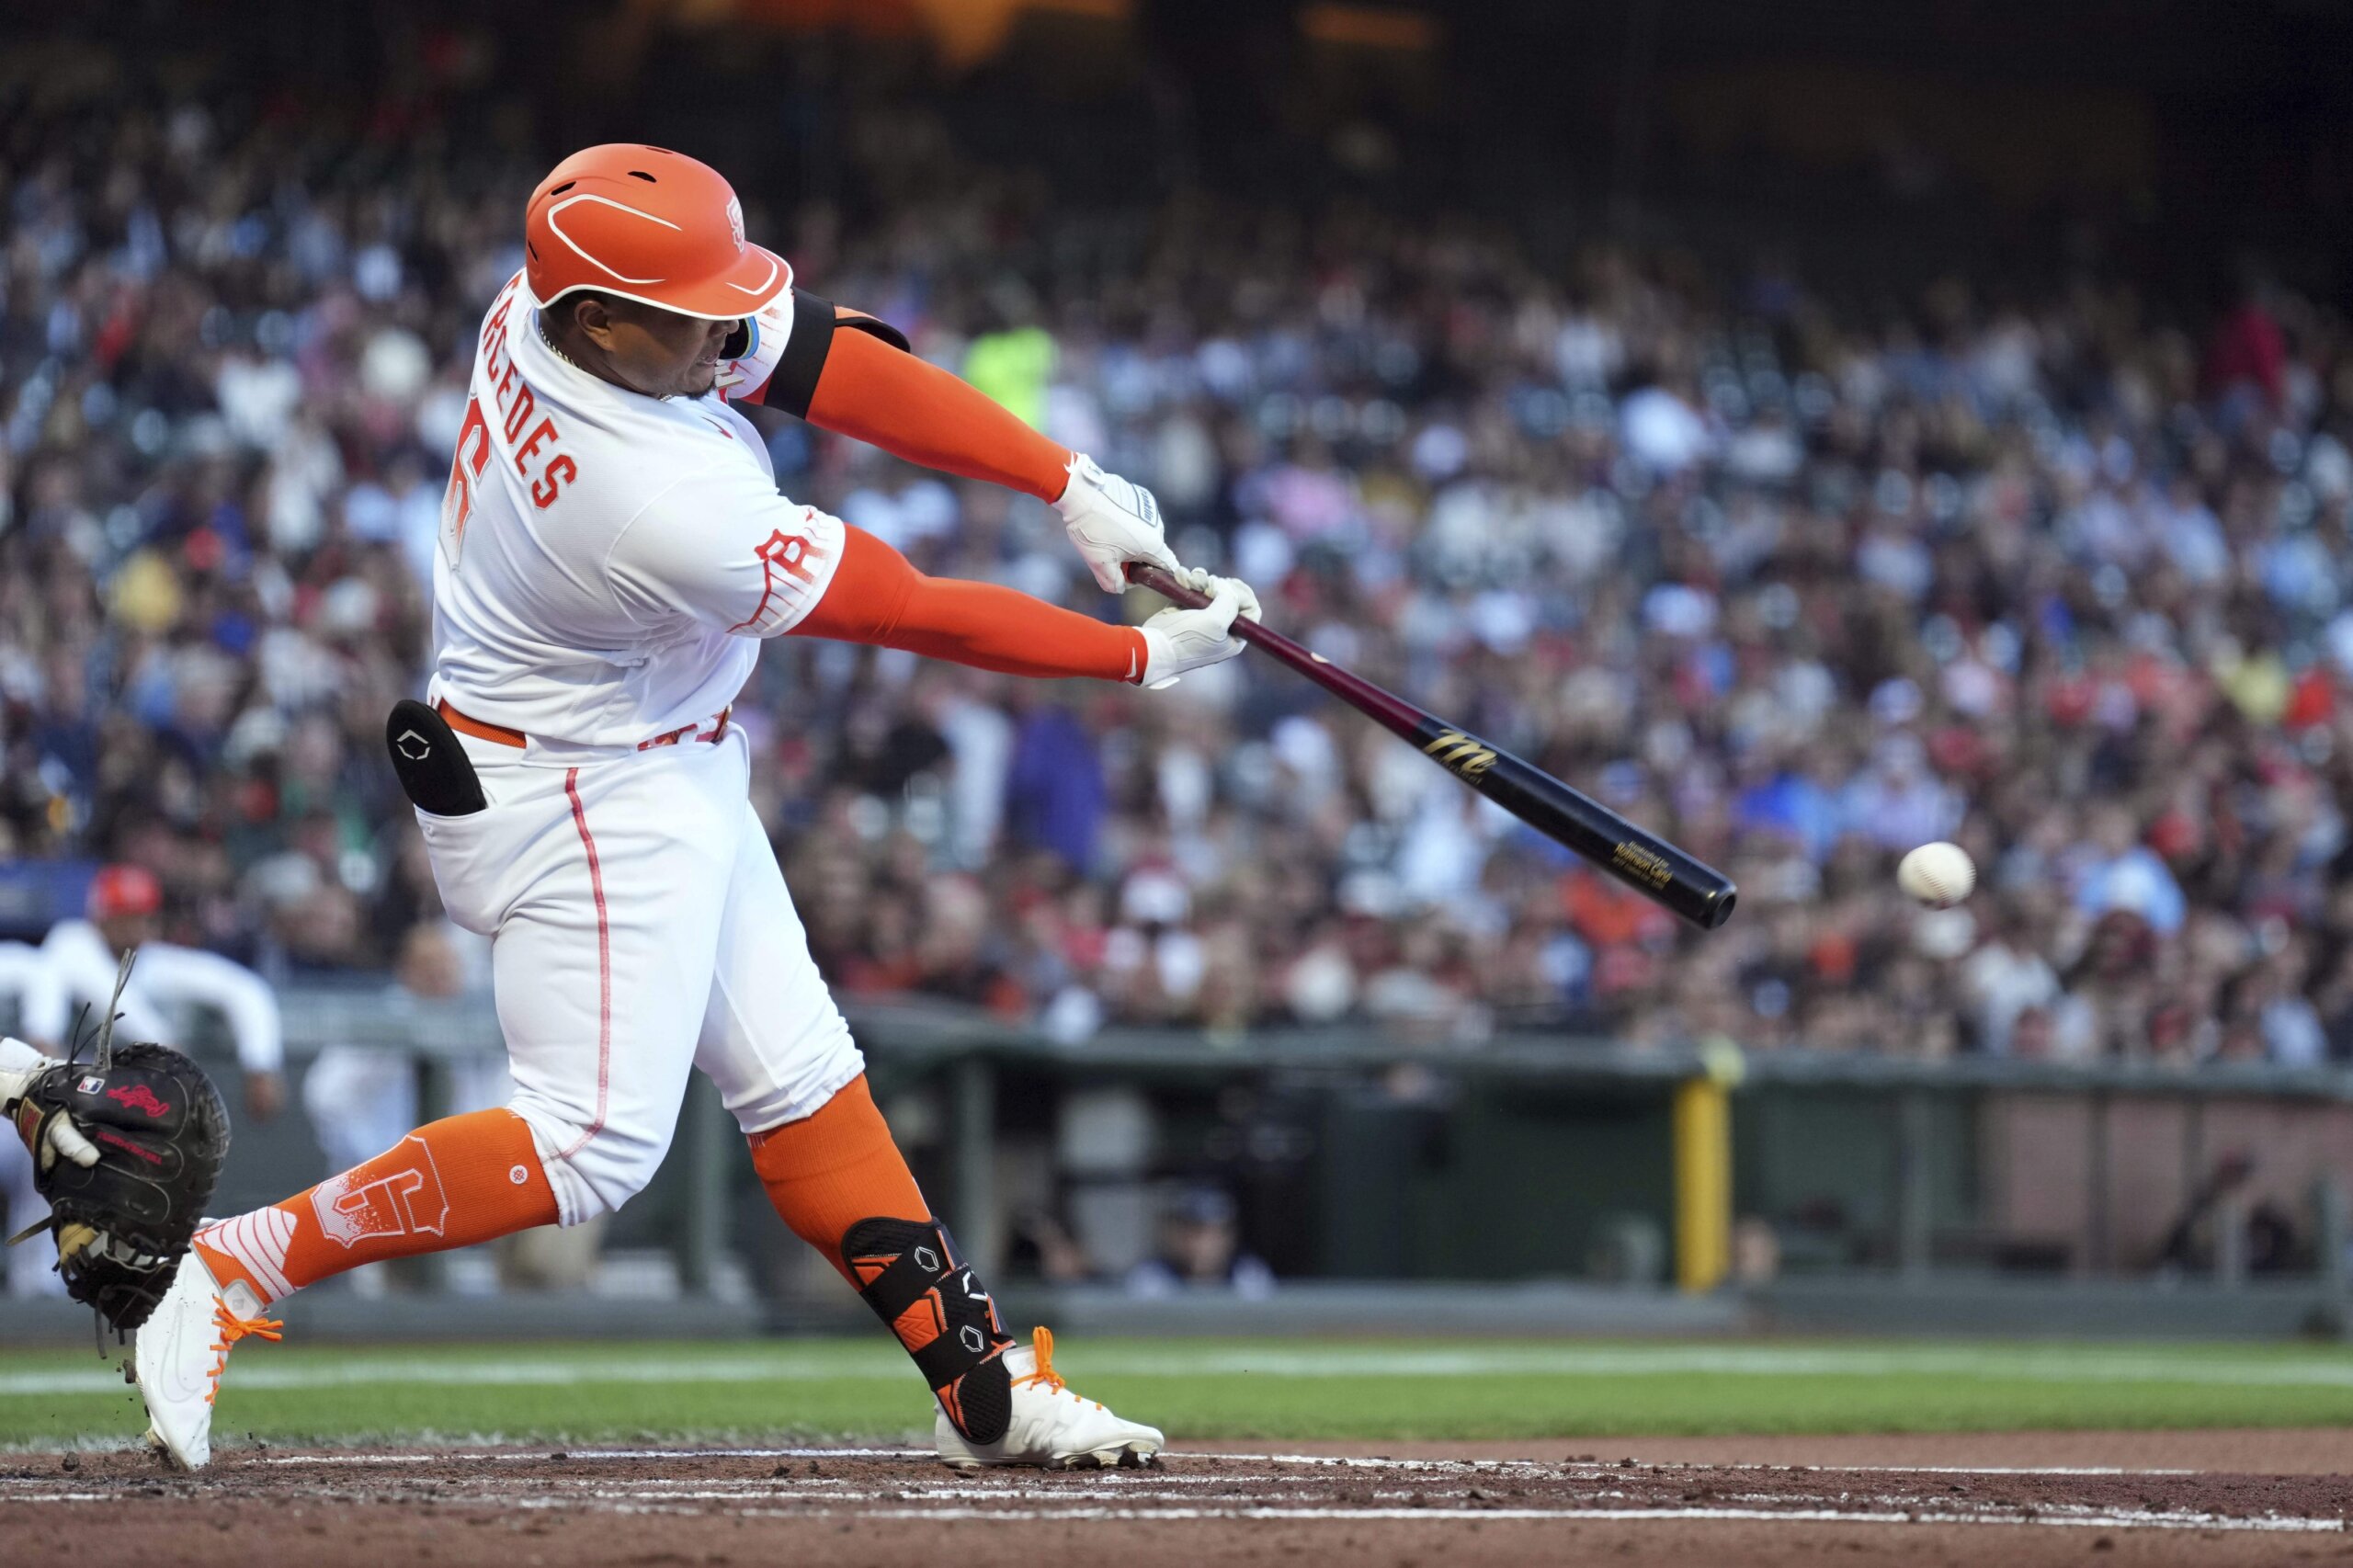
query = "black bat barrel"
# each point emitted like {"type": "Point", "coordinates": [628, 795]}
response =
{"type": "Point", "coordinates": [1644, 861]}
{"type": "Point", "coordinates": [1648, 864]}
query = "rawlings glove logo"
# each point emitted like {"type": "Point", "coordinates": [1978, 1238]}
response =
{"type": "Point", "coordinates": [138, 1097]}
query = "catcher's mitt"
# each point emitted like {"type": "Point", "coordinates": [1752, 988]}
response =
{"type": "Point", "coordinates": [123, 1223]}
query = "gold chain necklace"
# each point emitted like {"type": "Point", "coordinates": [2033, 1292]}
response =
{"type": "Point", "coordinates": [541, 328]}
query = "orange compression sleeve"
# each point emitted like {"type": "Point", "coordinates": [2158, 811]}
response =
{"type": "Point", "coordinates": [878, 597]}
{"type": "Point", "coordinates": [889, 398]}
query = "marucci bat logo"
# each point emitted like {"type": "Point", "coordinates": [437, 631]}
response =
{"type": "Point", "coordinates": [1467, 755]}
{"type": "Point", "coordinates": [1644, 862]}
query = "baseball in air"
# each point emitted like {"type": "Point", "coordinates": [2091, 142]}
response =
{"type": "Point", "coordinates": [1940, 875]}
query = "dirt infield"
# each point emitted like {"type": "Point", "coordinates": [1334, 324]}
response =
{"type": "Point", "coordinates": [1957, 1500]}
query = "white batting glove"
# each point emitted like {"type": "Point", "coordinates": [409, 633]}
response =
{"type": "Point", "coordinates": [1112, 522]}
{"type": "Point", "coordinates": [20, 1067]}
{"type": "Point", "coordinates": [1178, 641]}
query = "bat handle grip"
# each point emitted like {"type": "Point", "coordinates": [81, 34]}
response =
{"type": "Point", "coordinates": [1162, 581]}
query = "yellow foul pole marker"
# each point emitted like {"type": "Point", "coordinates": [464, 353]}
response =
{"type": "Point", "coordinates": [1702, 1123]}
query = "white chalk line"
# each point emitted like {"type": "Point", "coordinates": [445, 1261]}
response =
{"type": "Point", "coordinates": [1775, 1516]}
{"type": "Point", "coordinates": [831, 1490]}
{"type": "Point", "coordinates": [1037, 1501]}
{"type": "Point", "coordinates": [835, 1363]}
{"type": "Point", "coordinates": [1303, 1512]}
{"type": "Point", "coordinates": [826, 1499]}
{"type": "Point", "coordinates": [1349, 1462]}
{"type": "Point", "coordinates": [1065, 1499]}
{"type": "Point", "coordinates": [1600, 1465]}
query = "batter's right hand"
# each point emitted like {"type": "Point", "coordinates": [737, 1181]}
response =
{"type": "Point", "coordinates": [1112, 522]}
{"type": "Point", "coordinates": [1178, 641]}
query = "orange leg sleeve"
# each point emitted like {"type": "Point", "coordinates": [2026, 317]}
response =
{"type": "Point", "coordinates": [449, 1184]}
{"type": "Point", "coordinates": [912, 409]}
{"type": "Point", "coordinates": [839, 1181]}
{"type": "Point", "coordinates": [826, 1172]}
{"type": "Point", "coordinates": [876, 596]}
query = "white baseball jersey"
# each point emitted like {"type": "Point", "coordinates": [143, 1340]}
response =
{"type": "Point", "coordinates": [607, 560]}
{"type": "Point", "coordinates": [26, 975]}
{"type": "Point", "coordinates": [167, 977]}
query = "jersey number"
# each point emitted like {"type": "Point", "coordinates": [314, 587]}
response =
{"type": "Point", "coordinates": [458, 502]}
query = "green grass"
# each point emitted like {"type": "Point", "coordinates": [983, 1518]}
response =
{"type": "Point", "coordinates": [1271, 1390]}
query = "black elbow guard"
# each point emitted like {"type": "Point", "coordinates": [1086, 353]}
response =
{"type": "Point", "coordinates": [815, 320]}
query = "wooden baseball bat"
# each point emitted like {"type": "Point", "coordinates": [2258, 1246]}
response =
{"type": "Point", "coordinates": [1642, 860]}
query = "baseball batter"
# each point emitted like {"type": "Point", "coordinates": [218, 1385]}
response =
{"type": "Point", "coordinates": [612, 550]}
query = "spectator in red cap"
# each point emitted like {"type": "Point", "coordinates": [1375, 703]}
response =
{"type": "Point", "coordinates": [120, 895]}
{"type": "Point", "coordinates": [124, 905]}
{"type": "Point", "coordinates": [76, 963]}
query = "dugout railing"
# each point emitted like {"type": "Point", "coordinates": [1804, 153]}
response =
{"type": "Point", "coordinates": [1827, 1186]}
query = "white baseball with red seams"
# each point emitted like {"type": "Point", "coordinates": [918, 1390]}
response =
{"type": "Point", "coordinates": [607, 564]}
{"type": "Point", "coordinates": [1940, 875]}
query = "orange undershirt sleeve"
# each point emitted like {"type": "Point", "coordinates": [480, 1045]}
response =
{"type": "Point", "coordinates": [915, 409]}
{"type": "Point", "coordinates": [878, 597]}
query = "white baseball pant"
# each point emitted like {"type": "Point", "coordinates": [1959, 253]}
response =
{"type": "Point", "coordinates": [639, 926]}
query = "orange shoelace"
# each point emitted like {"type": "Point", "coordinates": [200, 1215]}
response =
{"type": "Point", "coordinates": [234, 1328]}
{"type": "Point", "coordinates": [1043, 1339]}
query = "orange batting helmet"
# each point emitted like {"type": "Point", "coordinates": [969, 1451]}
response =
{"type": "Point", "coordinates": [650, 225]}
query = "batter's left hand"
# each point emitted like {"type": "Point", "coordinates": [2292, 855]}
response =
{"type": "Point", "coordinates": [1112, 522]}
{"type": "Point", "coordinates": [1204, 581]}
{"type": "Point", "coordinates": [1178, 641]}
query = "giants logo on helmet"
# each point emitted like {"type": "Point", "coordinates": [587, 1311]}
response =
{"type": "Point", "coordinates": [396, 1194]}
{"type": "Point", "coordinates": [735, 220]}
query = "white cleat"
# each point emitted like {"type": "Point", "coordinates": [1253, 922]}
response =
{"type": "Point", "coordinates": [1051, 1428]}
{"type": "Point", "coordinates": [179, 1354]}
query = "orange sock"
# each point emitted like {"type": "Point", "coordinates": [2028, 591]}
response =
{"type": "Point", "coordinates": [826, 1172]}
{"type": "Point", "coordinates": [450, 1184]}
{"type": "Point", "coordinates": [840, 1182]}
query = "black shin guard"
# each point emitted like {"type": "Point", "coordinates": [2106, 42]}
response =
{"type": "Point", "coordinates": [911, 1278]}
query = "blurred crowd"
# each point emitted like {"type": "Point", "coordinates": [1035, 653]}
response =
{"type": "Point", "coordinates": [1801, 582]}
